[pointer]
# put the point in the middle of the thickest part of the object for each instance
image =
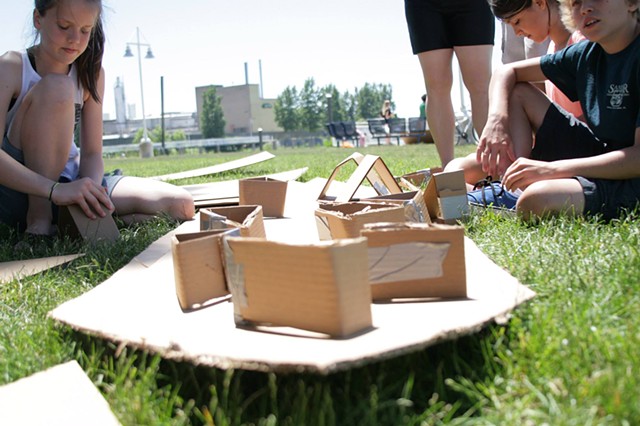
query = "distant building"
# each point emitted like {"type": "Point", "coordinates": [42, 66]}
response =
{"type": "Point", "coordinates": [243, 108]}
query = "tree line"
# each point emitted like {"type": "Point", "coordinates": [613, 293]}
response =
{"type": "Point", "coordinates": [306, 109]}
{"type": "Point", "coordinates": [309, 108]}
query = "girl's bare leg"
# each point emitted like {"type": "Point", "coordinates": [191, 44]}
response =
{"type": "Point", "coordinates": [43, 130]}
{"type": "Point", "coordinates": [438, 79]}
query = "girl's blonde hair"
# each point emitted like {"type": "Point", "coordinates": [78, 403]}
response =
{"type": "Point", "coordinates": [567, 17]}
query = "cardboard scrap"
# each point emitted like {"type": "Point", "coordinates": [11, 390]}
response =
{"type": "Point", "coordinates": [149, 315]}
{"type": "Point", "coordinates": [218, 168]}
{"type": "Point", "coordinates": [73, 222]}
{"type": "Point", "coordinates": [18, 269]}
{"type": "Point", "coordinates": [266, 192]}
{"type": "Point", "coordinates": [60, 396]}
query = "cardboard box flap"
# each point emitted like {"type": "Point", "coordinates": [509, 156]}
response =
{"type": "Point", "coordinates": [370, 167]}
{"type": "Point", "coordinates": [446, 196]}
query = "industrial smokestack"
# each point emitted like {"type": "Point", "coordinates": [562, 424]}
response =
{"type": "Point", "coordinates": [246, 73]}
{"type": "Point", "coordinates": [260, 70]}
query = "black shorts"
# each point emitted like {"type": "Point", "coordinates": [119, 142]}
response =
{"type": "Point", "coordinates": [561, 136]}
{"type": "Point", "coordinates": [443, 24]}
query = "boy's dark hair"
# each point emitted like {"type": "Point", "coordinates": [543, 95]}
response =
{"type": "Point", "coordinates": [505, 9]}
{"type": "Point", "coordinates": [89, 63]}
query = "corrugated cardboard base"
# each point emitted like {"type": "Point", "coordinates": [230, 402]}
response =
{"type": "Point", "coordinates": [61, 395]}
{"type": "Point", "coordinates": [148, 315]}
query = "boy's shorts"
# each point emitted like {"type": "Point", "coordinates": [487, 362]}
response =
{"type": "Point", "coordinates": [14, 204]}
{"type": "Point", "coordinates": [562, 136]}
{"type": "Point", "coordinates": [443, 24]}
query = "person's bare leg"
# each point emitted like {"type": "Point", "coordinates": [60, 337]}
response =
{"type": "Point", "coordinates": [138, 199]}
{"type": "Point", "coordinates": [475, 66]}
{"type": "Point", "coordinates": [43, 130]}
{"type": "Point", "coordinates": [527, 108]}
{"type": "Point", "coordinates": [551, 197]}
{"type": "Point", "coordinates": [472, 169]}
{"type": "Point", "coordinates": [436, 69]}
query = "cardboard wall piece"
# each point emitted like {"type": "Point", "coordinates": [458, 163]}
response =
{"type": "Point", "coordinates": [73, 222]}
{"type": "Point", "coordinates": [18, 269]}
{"type": "Point", "coordinates": [416, 260]}
{"type": "Point", "coordinates": [345, 220]}
{"type": "Point", "coordinates": [266, 192]}
{"type": "Point", "coordinates": [248, 219]}
{"type": "Point", "coordinates": [369, 167]}
{"type": "Point", "coordinates": [446, 197]}
{"type": "Point", "coordinates": [198, 267]}
{"type": "Point", "coordinates": [60, 395]}
{"type": "Point", "coordinates": [320, 287]}
{"type": "Point", "coordinates": [415, 207]}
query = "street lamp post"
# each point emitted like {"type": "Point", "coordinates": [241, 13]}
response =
{"type": "Point", "coordinates": [146, 147]}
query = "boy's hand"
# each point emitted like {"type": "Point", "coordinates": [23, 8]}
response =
{"type": "Point", "coordinates": [87, 194]}
{"type": "Point", "coordinates": [524, 171]}
{"type": "Point", "coordinates": [495, 151]}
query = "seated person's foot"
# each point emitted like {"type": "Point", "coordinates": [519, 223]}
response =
{"type": "Point", "coordinates": [488, 193]}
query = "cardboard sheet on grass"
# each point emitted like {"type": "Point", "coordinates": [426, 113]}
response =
{"type": "Point", "coordinates": [218, 168]}
{"type": "Point", "coordinates": [62, 395]}
{"type": "Point", "coordinates": [138, 306]}
{"type": "Point", "coordinates": [18, 269]}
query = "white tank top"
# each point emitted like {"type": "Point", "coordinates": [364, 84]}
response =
{"type": "Point", "coordinates": [29, 78]}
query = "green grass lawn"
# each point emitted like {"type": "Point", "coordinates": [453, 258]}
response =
{"type": "Point", "coordinates": [568, 357]}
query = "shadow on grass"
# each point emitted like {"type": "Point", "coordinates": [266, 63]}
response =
{"type": "Point", "coordinates": [408, 389]}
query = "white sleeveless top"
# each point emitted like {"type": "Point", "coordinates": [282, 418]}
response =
{"type": "Point", "coordinates": [29, 78]}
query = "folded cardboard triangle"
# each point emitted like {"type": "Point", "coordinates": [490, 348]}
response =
{"type": "Point", "coordinates": [369, 167]}
{"type": "Point", "coordinates": [73, 222]}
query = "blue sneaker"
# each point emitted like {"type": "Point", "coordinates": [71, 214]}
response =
{"type": "Point", "coordinates": [492, 194]}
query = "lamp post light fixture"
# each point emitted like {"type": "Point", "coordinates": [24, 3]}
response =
{"type": "Point", "coordinates": [329, 107]}
{"type": "Point", "coordinates": [146, 147]}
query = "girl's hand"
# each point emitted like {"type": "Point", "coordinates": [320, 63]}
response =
{"type": "Point", "coordinates": [86, 193]}
{"type": "Point", "coordinates": [524, 171]}
{"type": "Point", "coordinates": [495, 150]}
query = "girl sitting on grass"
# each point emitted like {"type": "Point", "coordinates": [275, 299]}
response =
{"type": "Point", "coordinates": [45, 93]}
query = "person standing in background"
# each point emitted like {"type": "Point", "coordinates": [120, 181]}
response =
{"type": "Point", "coordinates": [423, 106]}
{"type": "Point", "coordinates": [438, 29]}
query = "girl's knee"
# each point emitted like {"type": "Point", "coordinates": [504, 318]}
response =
{"type": "Point", "coordinates": [182, 205]}
{"type": "Point", "coordinates": [551, 197]}
{"type": "Point", "coordinates": [55, 89]}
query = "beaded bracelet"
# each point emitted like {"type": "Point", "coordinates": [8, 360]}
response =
{"type": "Point", "coordinates": [52, 188]}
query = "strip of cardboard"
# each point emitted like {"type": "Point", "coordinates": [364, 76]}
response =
{"type": "Point", "coordinates": [60, 395]}
{"type": "Point", "coordinates": [218, 168]}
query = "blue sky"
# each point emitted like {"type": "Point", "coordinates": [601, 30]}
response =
{"type": "Point", "coordinates": [201, 42]}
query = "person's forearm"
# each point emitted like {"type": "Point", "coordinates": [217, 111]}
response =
{"type": "Point", "coordinates": [92, 166]}
{"type": "Point", "coordinates": [19, 178]}
{"type": "Point", "coordinates": [620, 164]}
